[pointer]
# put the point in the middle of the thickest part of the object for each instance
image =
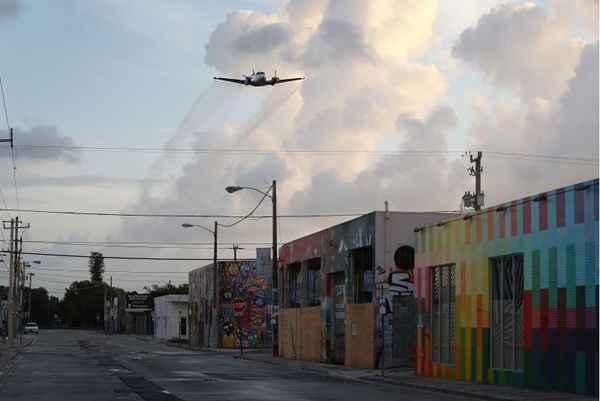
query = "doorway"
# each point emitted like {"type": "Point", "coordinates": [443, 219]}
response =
{"type": "Point", "coordinates": [404, 326]}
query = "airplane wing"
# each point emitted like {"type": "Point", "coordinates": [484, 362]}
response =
{"type": "Point", "coordinates": [279, 81]}
{"type": "Point", "coordinates": [235, 81]}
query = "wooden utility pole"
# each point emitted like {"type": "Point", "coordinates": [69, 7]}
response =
{"type": "Point", "coordinates": [16, 277]}
{"type": "Point", "coordinates": [476, 171]}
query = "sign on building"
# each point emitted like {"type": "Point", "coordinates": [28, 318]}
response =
{"type": "Point", "coordinates": [139, 302]}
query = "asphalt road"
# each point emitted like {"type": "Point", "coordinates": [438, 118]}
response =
{"type": "Point", "coordinates": [77, 365]}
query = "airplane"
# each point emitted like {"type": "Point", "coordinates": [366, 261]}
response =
{"type": "Point", "coordinates": [258, 79]}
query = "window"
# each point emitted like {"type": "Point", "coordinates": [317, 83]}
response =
{"type": "Point", "coordinates": [442, 313]}
{"type": "Point", "coordinates": [313, 284]}
{"type": "Point", "coordinates": [507, 312]}
{"type": "Point", "coordinates": [362, 262]}
{"type": "Point", "coordinates": [293, 285]}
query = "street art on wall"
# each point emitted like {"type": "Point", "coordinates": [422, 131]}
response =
{"type": "Point", "coordinates": [551, 242]}
{"type": "Point", "coordinates": [244, 300]}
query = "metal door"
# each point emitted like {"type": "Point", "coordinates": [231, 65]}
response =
{"type": "Point", "coordinates": [404, 326]}
{"type": "Point", "coordinates": [339, 318]}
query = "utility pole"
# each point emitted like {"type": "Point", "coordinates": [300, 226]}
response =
{"type": "Point", "coordinates": [213, 309]}
{"type": "Point", "coordinates": [274, 275]}
{"type": "Point", "coordinates": [15, 274]}
{"type": "Point", "coordinates": [235, 248]}
{"type": "Point", "coordinates": [475, 200]}
{"type": "Point", "coordinates": [29, 300]}
{"type": "Point", "coordinates": [110, 313]}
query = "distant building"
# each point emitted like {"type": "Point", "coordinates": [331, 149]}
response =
{"type": "Point", "coordinates": [243, 296]}
{"type": "Point", "coordinates": [171, 317]}
{"type": "Point", "coordinates": [509, 295]}
{"type": "Point", "coordinates": [138, 314]}
{"type": "Point", "coordinates": [334, 283]}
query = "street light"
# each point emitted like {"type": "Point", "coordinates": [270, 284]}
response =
{"type": "Point", "coordinates": [234, 188]}
{"type": "Point", "coordinates": [215, 269]}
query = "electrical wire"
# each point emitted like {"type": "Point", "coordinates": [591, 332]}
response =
{"type": "Point", "coordinates": [507, 205]}
{"type": "Point", "coordinates": [104, 243]}
{"type": "Point", "coordinates": [60, 270]}
{"type": "Point", "coordinates": [326, 152]}
{"type": "Point", "coordinates": [265, 194]}
{"type": "Point", "coordinates": [211, 216]}
{"type": "Point", "coordinates": [66, 255]}
{"type": "Point", "coordinates": [12, 148]}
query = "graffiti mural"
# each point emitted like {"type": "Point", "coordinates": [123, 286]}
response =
{"type": "Point", "coordinates": [244, 301]}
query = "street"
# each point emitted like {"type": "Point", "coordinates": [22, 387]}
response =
{"type": "Point", "coordinates": [85, 365]}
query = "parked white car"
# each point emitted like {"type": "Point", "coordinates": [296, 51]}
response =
{"type": "Point", "coordinates": [31, 327]}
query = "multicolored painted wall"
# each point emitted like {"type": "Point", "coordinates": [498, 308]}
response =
{"type": "Point", "coordinates": [244, 297]}
{"type": "Point", "coordinates": [557, 234]}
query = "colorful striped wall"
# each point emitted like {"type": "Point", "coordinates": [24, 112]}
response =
{"type": "Point", "coordinates": [557, 233]}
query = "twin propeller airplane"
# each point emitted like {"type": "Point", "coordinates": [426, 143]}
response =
{"type": "Point", "coordinates": [258, 79]}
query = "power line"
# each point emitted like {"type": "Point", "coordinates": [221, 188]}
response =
{"type": "Point", "coordinates": [206, 216]}
{"type": "Point", "coordinates": [66, 255]}
{"type": "Point", "coordinates": [12, 149]}
{"type": "Point", "coordinates": [249, 213]}
{"type": "Point", "coordinates": [130, 246]}
{"type": "Point", "coordinates": [60, 270]}
{"type": "Point", "coordinates": [326, 152]}
{"type": "Point", "coordinates": [101, 243]}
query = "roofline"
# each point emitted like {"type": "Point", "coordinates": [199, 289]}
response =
{"type": "Point", "coordinates": [449, 212]}
{"type": "Point", "coordinates": [506, 204]}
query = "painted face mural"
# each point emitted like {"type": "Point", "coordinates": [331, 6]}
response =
{"type": "Point", "coordinates": [244, 301]}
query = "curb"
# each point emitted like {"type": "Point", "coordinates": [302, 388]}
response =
{"type": "Point", "coordinates": [377, 379]}
{"type": "Point", "coordinates": [436, 389]}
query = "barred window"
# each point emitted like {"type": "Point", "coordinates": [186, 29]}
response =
{"type": "Point", "coordinates": [363, 282]}
{"type": "Point", "coordinates": [442, 313]}
{"type": "Point", "coordinates": [507, 312]}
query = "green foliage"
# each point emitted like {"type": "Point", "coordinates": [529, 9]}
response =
{"type": "Point", "coordinates": [156, 290]}
{"type": "Point", "coordinates": [83, 304]}
{"type": "Point", "coordinates": [96, 265]}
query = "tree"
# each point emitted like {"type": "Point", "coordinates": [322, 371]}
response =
{"type": "Point", "coordinates": [83, 304]}
{"type": "Point", "coordinates": [156, 290]}
{"type": "Point", "coordinates": [96, 265]}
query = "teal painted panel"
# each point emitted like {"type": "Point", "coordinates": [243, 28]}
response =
{"type": "Point", "coordinates": [535, 278]}
{"type": "Point", "coordinates": [591, 273]}
{"type": "Point", "coordinates": [552, 276]}
{"type": "Point", "coordinates": [571, 274]}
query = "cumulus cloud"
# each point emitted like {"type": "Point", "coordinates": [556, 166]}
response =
{"type": "Point", "coordinates": [522, 45]}
{"type": "Point", "coordinates": [46, 135]}
{"type": "Point", "coordinates": [368, 87]}
{"type": "Point", "coordinates": [9, 8]}
{"type": "Point", "coordinates": [567, 126]}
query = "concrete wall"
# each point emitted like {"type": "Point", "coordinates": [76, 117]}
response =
{"type": "Point", "coordinates": [333, 246]}
{"type": "Point", "coordinates": [300, 333]}
{"type": "Point", "coordinates": [168, 310]}
{"type": "Point", "coordinates": [203, 333]}
{"type": "Point", "coordinates": [557, 234]}
{"type": "Point", "coordinates": [393, 230]}
{"type": "Point", "coordinates": [360, 336]}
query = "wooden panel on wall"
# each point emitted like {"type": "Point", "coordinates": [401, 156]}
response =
{"type": "Point", "coordinates": [360, 336]}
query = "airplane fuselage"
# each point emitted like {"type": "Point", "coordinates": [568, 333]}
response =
{"type": "Point", "coordinates": [259, 79]}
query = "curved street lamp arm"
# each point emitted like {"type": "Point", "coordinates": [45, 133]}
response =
{"type": "Point", "coordinates": [260, 192]}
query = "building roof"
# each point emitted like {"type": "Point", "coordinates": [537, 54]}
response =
{"type": "Point", "coordinates": [507, 204]}
{"type": "Point", "coordinates": [173, 298]}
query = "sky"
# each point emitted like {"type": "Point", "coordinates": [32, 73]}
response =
{"type": "Point", "coordinates": [387, 75]}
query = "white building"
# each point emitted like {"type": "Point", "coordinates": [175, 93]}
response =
{"type": "Point", "coordinates": [171, 317]}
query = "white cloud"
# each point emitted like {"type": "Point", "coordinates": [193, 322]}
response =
{"type": "Point", "coordinates": [522, 45]}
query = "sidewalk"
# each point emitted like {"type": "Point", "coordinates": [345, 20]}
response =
{"type": "Point", "coordinates": [8, 353]}
{"type": "Point", "coordinates": [405, 377]}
